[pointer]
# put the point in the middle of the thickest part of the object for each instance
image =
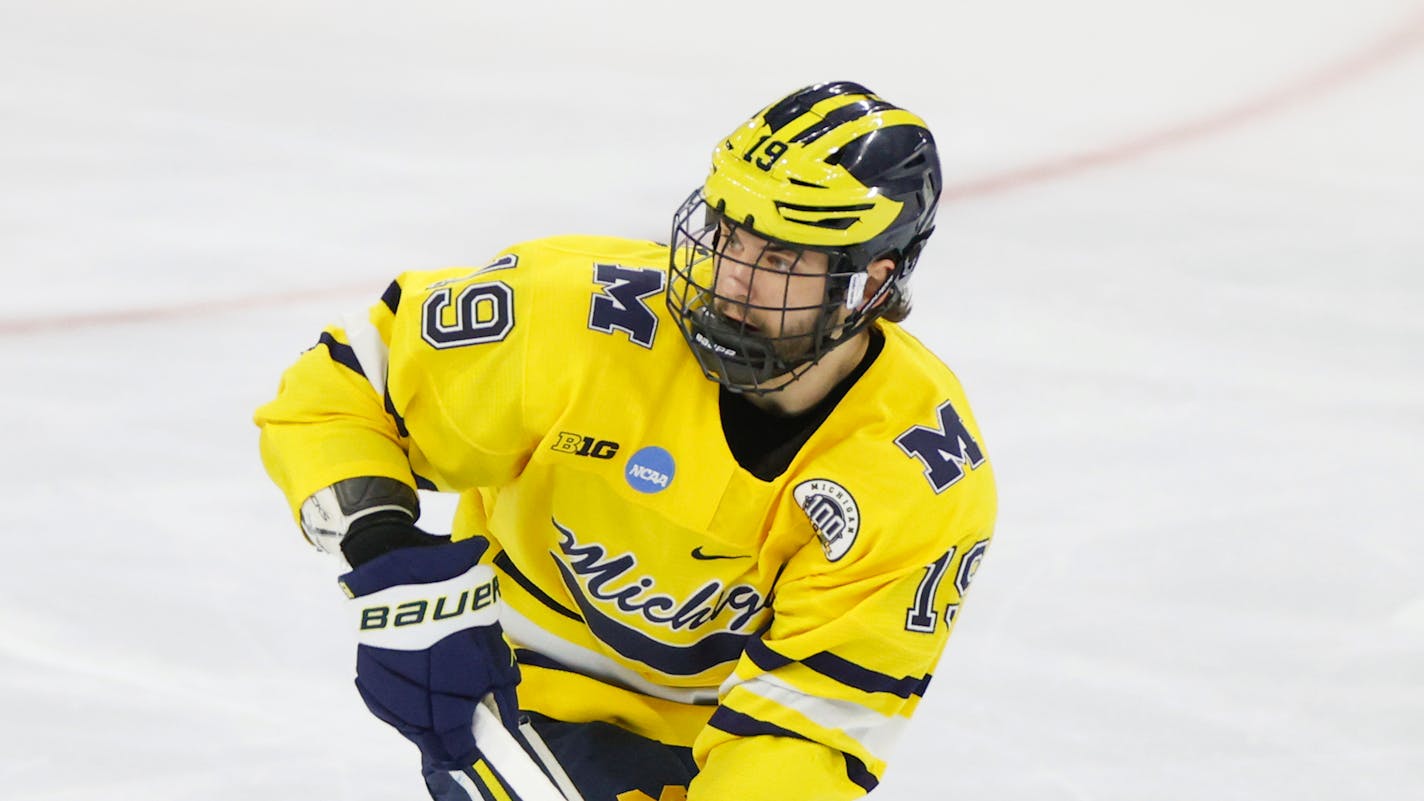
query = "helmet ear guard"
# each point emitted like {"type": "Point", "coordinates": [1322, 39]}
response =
{"type": "Point", "coordinates": [855, 291]}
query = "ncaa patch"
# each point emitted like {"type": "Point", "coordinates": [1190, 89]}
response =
{"type": "Point", "coordinates": [833, 512]}
{"type": "Point", "coordinates": [650, 470]}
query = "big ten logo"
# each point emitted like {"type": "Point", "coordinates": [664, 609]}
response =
{"type": "Point", "coordinates": [671, 792]}
{"type": "Point", "coordinates": [579, 445]}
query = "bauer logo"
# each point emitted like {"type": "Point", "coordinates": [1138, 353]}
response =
{"type": "Point", "coordinates": [442, 607]}
{"type": "Point", "coordinates": [833, 512]}
{"type": "Point", "coordinates": [651, 470]}
{"type": "Point", "coordinates": [720, 350]}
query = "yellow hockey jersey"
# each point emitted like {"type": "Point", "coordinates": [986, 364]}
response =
{"type": "Point", "coordinates": [784, 629]}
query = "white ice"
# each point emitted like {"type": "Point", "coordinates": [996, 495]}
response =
{"type": "Point", "coordinates": [1200, 369]}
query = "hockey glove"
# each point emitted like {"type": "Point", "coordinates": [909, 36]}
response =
{"type": "Point", "coordinates": [430, 645]}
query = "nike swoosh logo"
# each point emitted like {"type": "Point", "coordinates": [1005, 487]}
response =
{"type": "Point", "coordinates": [698, 554]}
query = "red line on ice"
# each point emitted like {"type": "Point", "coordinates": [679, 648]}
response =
{"type": "Point", "coordinates": [1398, 42]}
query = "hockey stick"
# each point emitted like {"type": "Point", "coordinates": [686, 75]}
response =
{"type": "Point", "coordinates": [504, 771]}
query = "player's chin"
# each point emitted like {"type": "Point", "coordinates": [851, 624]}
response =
{"type": "Point", "coordinates": [793, 347]}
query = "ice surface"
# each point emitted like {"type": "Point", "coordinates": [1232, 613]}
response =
{"type": "Point", "coordinates": [1200, 369]}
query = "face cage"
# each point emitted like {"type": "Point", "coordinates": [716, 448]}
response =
{"type": "Point", "coordinates": [731, 348]}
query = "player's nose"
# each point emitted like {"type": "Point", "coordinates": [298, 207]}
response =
{"type": "Point", "coordinates": [734, 280]}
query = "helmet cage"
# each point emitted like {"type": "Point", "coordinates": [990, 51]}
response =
{"type": "Point", "coordinates": [729, 346]}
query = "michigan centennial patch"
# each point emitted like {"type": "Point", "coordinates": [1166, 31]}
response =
{"type": "Point", "coordinates": [833, 512]}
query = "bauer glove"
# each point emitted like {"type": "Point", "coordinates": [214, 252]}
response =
{"type": "Point", "coordinates": [430, 644]}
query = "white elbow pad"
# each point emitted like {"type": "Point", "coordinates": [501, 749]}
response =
{"type": "Point", "coordinates": [328, 514]}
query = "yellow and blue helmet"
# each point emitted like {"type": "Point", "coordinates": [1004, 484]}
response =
{"type": "Point", "coordinates": [832, 168]}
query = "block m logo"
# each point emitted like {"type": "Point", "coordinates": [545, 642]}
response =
{"type": "Point", "coordinates": [944, 451]}
{"type": "Point", "coordinates": [621, 303]}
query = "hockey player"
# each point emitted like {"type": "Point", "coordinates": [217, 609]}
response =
{"type": "Point", "coordinates": [732, 589]}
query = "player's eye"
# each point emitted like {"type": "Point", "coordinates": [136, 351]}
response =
{"type": "Point", "coordinates": [781, 260]}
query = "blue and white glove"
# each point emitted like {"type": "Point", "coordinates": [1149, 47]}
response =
{"type": "Point", "coordinates": [430, 645]}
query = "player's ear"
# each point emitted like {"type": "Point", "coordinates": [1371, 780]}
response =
{"type": "Point", "coordinates": [877, 273]}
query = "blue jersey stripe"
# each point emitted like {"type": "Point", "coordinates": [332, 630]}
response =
{"type": "Point", "coordinates": [341, 353]}
{"type": "Point", "coordinates": [857, 772]}
{"type": "Point", "coordinates": [391, 297]}
{"type": "Point", "coordinates": [765, 658]}
{"type": "Point", "coordinates": [505, 564]}
{"type": "Point", "coordinates": [395, 415]}
{"type": "Point", "coordinates": [841, 670]}
{"type": "Point", "coordinates": [852, 675]}
{"type": "Point", "coordinates": [743, 725]}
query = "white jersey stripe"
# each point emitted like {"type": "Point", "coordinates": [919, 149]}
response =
{"type": "Point", "coordinates": [371, 350]}
{"type": "Point", "coordinates": [525, 632]}
{"type": "Point", "coordinates": [878, 733]}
